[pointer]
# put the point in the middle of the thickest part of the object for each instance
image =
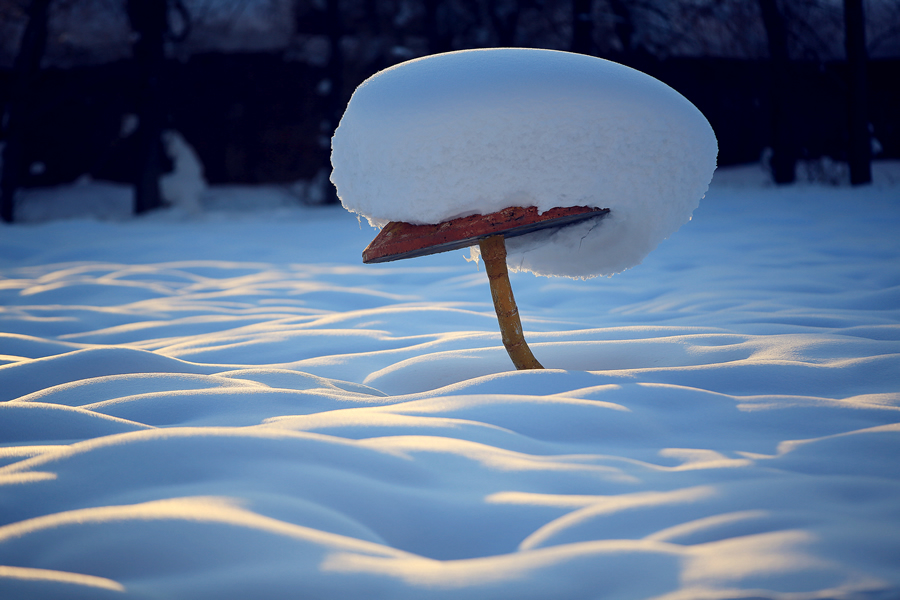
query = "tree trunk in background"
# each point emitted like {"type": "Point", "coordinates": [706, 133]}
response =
{"type": "Point", "coordinates": [148, 20]}
{"type": "Point", "coordinates": [17, 116]}
{"type": "Point", "coordinates": [437, 31]}
{"type": "Point", "coordinates": [582, 26]}
{"type": "Point", "coordinates": [860, 149]}
{"type": "Point", "coordinates": [335, 60]}
{"type": "Point", "coordinates": [624, 25]}
{"type": "Point", "coordinates": [335, 70]}
{"type": "Point", "coordinates": [784, 154]}
{"type": "Point", "coordinates": [505, 21]}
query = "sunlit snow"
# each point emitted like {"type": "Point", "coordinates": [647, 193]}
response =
{"type": "Point", "coordinates": [231, 405]}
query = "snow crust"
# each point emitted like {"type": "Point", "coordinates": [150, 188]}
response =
{"type": "Point", "coordinates": [475, 131]}
{"type": "Point", "coordinates": [231, 406]}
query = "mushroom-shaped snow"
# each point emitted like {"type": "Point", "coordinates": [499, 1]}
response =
{"type": "Point", "coordinates": [476, 131]}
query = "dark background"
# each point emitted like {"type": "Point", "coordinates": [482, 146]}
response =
{"type": "Point", "coordinates": [258, 86]}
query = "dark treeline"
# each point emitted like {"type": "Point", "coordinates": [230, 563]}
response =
{"type": "Point", "coordinates": [266, 116]}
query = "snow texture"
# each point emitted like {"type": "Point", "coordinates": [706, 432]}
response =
{"type": "Point", "coordinates": [476, 131]}
{"type": "Point", "coordinates": [232, 406]}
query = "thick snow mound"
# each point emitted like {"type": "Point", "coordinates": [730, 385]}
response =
{"type": "Point", "coordinates": [476, 131]}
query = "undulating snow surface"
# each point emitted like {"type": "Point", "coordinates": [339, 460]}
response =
{"type": "Point", "coordinates": [231, 405]}
{"type": "Point", "coordinates": [476, 131]}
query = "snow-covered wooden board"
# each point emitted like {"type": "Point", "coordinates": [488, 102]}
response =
{"type": "Point", "coordinates": [399, 240]}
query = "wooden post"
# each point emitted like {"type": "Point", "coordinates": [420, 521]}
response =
{"type": "Point", "coordinates": [493, 251]}
{"type": "Point", "coordinates": [400, 240]}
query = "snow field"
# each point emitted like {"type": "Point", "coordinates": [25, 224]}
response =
{"type": "Point", "coordinates": [228, 406]}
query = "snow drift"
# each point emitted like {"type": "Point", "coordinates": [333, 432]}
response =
{"type": "Point", "coordinates": [231, 406]}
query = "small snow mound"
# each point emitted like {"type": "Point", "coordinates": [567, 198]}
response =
{"type": "Point", "coordinates": [476, 131]}
{"type": "Point", "coordinates": [185, 185]}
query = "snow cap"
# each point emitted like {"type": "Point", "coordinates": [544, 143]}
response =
{"type": "Point", "coordinates": [476, 131]}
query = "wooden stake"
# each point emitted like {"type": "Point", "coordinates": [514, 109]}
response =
{"type": "Point", "coordinates": [493, 251]}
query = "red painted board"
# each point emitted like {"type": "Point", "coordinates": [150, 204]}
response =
{"type": "Point", "coordinates": [400, 240]}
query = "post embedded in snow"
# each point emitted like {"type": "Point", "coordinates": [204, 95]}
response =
{"type": "Point", "coordinates": [493, 251]}
{"type": "Point", "coordinates": [421, 143]}
{"type": "Point", "coordinates": [399, 240]}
